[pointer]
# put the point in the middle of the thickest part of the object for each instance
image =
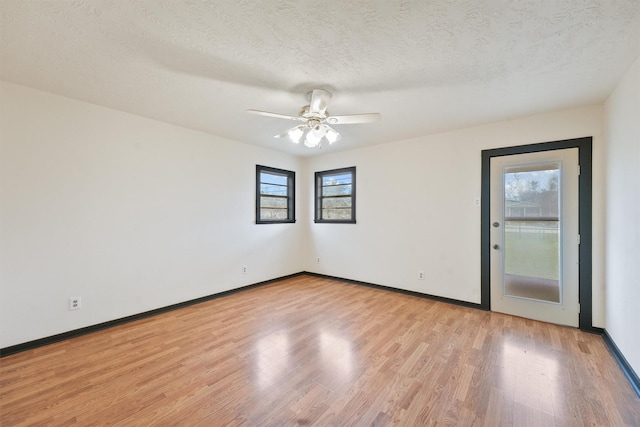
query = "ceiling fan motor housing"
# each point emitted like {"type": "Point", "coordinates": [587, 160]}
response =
{"type": "Point", "coordinates": [314, 118]}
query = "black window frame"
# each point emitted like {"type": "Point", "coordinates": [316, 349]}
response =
{"type": "Point", "coordinates": [291, 194]}
{"type": "Point", "coordinates": [319, 196]}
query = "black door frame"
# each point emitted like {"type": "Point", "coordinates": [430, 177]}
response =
{"type": "Point", "coordinates": [585, 148]}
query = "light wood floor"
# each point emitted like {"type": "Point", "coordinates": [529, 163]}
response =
{"type": "Point", "coordinates": [310, 351]}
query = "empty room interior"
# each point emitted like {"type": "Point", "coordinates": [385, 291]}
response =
{"type": "Point", "coordinates": [336, 213]}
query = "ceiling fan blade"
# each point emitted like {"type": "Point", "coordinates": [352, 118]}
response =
{"type": "Point", "coordinates": [319, 101]}
{"type": "Point", "coordinates": [294, 134]}
{"type": "Point", "coordinates": [286, 132]}
{"type": "Point", "coordinates": [354, 118]}
{"type": "Point", "coordinates": [283, 134]}
{"type": "Point", "coordinates": [276, 115]}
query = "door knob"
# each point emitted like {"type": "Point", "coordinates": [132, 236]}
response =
{"type": "Point", "coordinates": [496, 247]}
{"type": "Point", "coordinates": [496, 224]}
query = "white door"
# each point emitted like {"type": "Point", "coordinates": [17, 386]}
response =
{"type": "Point", "coordinates": [534, 235]}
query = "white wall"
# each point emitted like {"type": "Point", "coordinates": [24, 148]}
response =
{"type": "Point", "coordinates": [416, 206]}
{"type": "Point", "coordinates": [129, 213]}
{"type": "Point", "coordinates": [622, 114]}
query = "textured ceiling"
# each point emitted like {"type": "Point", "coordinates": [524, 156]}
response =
{"type": "Point", "coordinates": [426, 66]}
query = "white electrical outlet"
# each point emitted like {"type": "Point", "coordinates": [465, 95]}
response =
{"type": "Point", "coordinates": [75, 303]}
{"type": "Point", "coordinates": [245, 269]}
{"type": "Point", "coordinates": [421, 275]}
{"type": "Point", "coordinates": [318, 260]}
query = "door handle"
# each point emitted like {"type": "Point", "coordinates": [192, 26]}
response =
{"type": "Point", "coordinates": [496, 247]}
{"type": "Point", "coordinates": [496, 224]}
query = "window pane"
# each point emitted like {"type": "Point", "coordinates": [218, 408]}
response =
{"type": "Point", "coordinates": [336, 190]}
{"type": "Point", "coordinates": [343, 178]}
{"type": "Point", "coordinates": [532, 255]}
{"type": "Point", "coordinates": [336, 202]}
{"type": "Point", "coordinates": [532, 191]}
{"type": "Point", "coordinates": [273, 202]}
{"type": "Point", "coordinates": [531, 248]}
{"type": "Point", "coordinates": [271, 189]}
{"type": "Point", "coordinates": [273, 214]}
{"type": "Point", "coordinates": [269, 178]}
{"type": "Point", "coordinates": [336, 213]}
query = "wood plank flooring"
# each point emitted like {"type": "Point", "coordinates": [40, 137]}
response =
{"type": "Point", "coordinates": [311, 351]}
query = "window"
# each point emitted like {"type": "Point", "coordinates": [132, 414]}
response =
{"type": "Point", "coordinates": [336, 196]}
{"type": "Point", "coordinates": [275, 195]}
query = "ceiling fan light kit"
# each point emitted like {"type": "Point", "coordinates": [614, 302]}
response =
{"type": "Point", "coordinates": [312, 136]}
{"type": "Point", "coordinates": [314, 117]}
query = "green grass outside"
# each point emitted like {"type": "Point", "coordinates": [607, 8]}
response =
{"type": "Point", "coordinates": [532, 254]}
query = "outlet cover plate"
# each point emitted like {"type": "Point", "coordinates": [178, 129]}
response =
{"type": "Point", "coordinates": [75, 303]}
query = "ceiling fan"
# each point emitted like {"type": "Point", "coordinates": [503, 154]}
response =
{"type": "Point", "coordinates": [316, 119]}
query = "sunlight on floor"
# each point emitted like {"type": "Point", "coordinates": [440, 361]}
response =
{"type": "Point", "coordinates": [272, 358]}
{"type": "Point", "coordinates": [530, 376]}
{"type": "Point", "coordinates": [336, 353]}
